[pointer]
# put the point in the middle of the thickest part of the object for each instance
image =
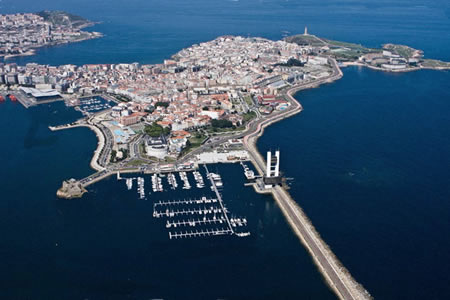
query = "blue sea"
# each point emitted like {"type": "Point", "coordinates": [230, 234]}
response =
{"type": "Point", "coordinates": [369, 157]}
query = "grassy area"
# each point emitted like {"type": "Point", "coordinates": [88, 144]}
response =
{"type": "Point", "coordinates": [135, 163]}
{"type": "Point", "coordinates": [346, 54]}
{"type": "Point", "coordinates": [212, 130]}
{"type": "Point", "coordinates": [402, 50]}
{"type": "Point", "coordinates": [249, 116]}
{"type": "Point", "coordinates": [249, 100]}
{"type": "Point", "coordinates": [305, 40]}
{"type": "Point", "coordinates": [170, 160]}
{"type": "Point", "coordinates": [194, 142]}
{"type": "Point", "coordinates": [142, 149]}
{"type": "Point", "coordinates": [433, 63]}
{"type": "Point", "coordinates": [197, 140]}
{"type": "Point", "coordinates": [347, 45]}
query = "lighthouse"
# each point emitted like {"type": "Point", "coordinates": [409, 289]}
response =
{"type": "Point", "coordinates": [306, 31]}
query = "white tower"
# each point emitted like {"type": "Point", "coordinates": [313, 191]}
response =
{"type": "Point", "coordinates": [306, 31]}
{"type": "Point", "coordinates": [273, 164]}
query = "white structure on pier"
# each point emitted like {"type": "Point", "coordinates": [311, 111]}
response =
{"type": "Point", "coordinates": [273, 164]}
{"type": "Point", "coordinates": [272, 176]}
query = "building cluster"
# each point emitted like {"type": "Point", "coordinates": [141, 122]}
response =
{"type": "Point", "coordinates": [19, 33]}
{"type": "Point", "coordinates": [198, 84]}
{"type": "Point", "coordinates": [390, 61]}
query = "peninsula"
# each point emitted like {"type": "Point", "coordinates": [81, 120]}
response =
{"type": "Point", "coordinates": [209, 103]}
{"type": "Point", "coordinates": [21, 34]}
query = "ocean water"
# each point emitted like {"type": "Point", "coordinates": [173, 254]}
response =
{"type": "Point", "coordinates": [369, 156]}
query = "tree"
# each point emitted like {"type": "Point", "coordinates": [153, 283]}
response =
{"type": "Point", "coordinates": [156, 130]}
{"type": "Point", "coordinates": [221, 123]}
{"type": "Point", "coordinates": [163, 104]}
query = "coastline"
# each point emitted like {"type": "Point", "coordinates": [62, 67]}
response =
{"type": "Point", "coordinates": [33, 50]}
{"type": "Point", "coordinates": [411, 69]}
{"type": "Point", "coordinates": [100, 145]}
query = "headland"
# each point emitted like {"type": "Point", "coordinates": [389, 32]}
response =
{"type": "Point", "coordinates": [22, 34]}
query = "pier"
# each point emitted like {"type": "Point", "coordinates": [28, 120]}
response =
{"type": "Point", "coordinates": [219, 196]}
{"type": "Point", "coordinates": [200, 233]}
{"type": "Point", "coordinates": [207, 216]}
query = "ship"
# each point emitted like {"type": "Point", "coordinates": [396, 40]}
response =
{"type": "Point", "coordinates": [249, 174]}
{"type": "Point", "coordinates": [184, 178]}
{"type": "Point", "coordinates": [157, 183]}
{"type": "Point", "coordinates": [141, 189]}
{"type": "Point", "coordinates": [217, 180]}
{"type": "Point", "coordinates": [172, 181]}
{"type": "Point", "coordinates": [199, 179]}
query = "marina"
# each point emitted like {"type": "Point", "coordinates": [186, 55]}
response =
{"type": "Point", "coordinates": [93, 104]}
{"type": "Point", "coordinates": [208, 215]}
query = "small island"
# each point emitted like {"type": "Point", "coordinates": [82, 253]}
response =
{"type": "Point", "coordinates": [21, 34]}
{"type": "Point", "coordinates": [71, 189]}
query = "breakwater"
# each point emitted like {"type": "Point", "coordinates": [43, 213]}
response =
{"type": "Point", "coordinates": [335, 274]}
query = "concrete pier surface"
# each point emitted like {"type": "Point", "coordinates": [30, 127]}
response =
{"type": "Point", "coordinates": [335, 274]}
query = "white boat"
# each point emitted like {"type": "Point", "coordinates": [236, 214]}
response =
{"type": "Point", "coordinates": [129, 182]}
{"type": "Point", "coordinates": [141, 188]}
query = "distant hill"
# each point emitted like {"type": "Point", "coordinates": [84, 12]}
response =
{"type": "Point", "coordinates": [61, 18]}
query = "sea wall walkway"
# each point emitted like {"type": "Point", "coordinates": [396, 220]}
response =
{"type": "Point", "coordinates": [101, 141]}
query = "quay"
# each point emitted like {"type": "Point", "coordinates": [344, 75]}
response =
{"type": "Point", "coordinates": [174, 213]}
{"type": "Point", "coordinates": [195, 222]}
{"type": "Point", "coordinates": [190, 201]}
